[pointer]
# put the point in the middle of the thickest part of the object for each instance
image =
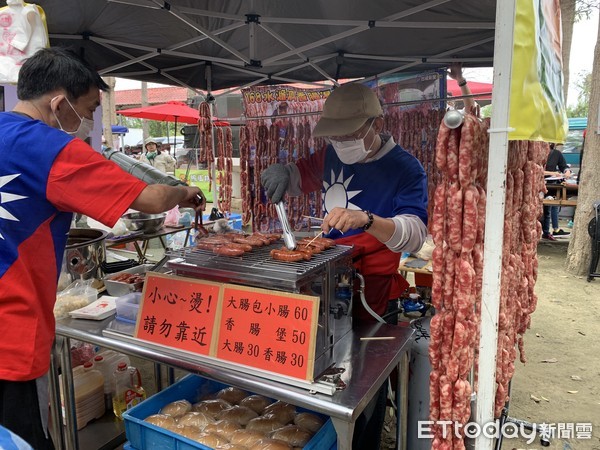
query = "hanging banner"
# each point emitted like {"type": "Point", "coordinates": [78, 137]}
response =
{"type": "Point", "coordinates": [537, 108]}
{"type": "Point", "coordinates": [410, 90]}
{"type": "Point", "coordinates": [281, 119]}
{"type": "Point", "coordinates": [199, 178]}
{"type": "Point", "coordinates": [273, 101]}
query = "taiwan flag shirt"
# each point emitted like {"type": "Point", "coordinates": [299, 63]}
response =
{"type": "Point", "coordinates": [45, 176]}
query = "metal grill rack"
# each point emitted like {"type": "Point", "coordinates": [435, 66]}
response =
{"type": "Point", "coordinates": [255, 268]}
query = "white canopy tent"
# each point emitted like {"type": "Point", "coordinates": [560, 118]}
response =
{"type": "Point", "coordinates": [209, 45]}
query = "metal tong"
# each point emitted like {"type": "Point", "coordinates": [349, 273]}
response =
{"type": "Point", "coordinates": [288, 238]}
{"type": "Point", "coordinates": [198, 226]}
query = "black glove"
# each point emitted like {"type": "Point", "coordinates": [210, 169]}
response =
{"type": "Point", "coordinates": [275, 180]}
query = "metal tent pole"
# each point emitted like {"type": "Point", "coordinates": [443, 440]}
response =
{"type": "Point", "coordinates": [211, 102]}
{"type": "Point", "coordinates": [494, 233]}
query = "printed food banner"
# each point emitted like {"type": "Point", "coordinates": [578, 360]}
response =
{"type": "Point", "coordinates": [198, 178]}
{"type": "Point", "coordinates": [272, 101]}
{"type": "Point", "coordinates": [537, 108]}
{"type": "Point", "coordinates": [412, 89]}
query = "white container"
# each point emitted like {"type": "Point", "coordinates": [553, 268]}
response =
{"type": "Point", "coordinates": [88, 385]}
{"type": "Point", "coordinates": [112, 360]}
{"type": "Point", "coordinates": [101, 366]}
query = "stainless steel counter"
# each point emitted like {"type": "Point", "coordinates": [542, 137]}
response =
{"type": "Point", "coordinates": [367, 365]}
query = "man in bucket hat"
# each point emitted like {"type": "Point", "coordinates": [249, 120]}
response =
{"type": "Point", "coordinates": [374, 192]}
{"type": "Point", "coordinates": [374, 197]}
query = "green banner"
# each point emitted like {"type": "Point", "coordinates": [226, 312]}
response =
{"type": "Point", "coordinates": [537, 109]}
{"type": "Point", "coordinates": [199, 178]}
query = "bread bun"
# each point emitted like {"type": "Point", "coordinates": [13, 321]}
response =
{"type": "Point", "coordinates": [293, 435]}
{"type": "Point", "coordinates": [162, 420]}
{"type": "Point", "coordinates": [211, 440]}
{"type": "Point", "coordinates": [232, 447]}
{"type": "Point", "coordinates": [271, 444]}
{"type": "Point", "coordinates": [255, 402]}
{"type": "Point", "coordinates": [283, 412]}
{"type": "Point", "coordinates": [195, 419]}
{"type": "Point", "coordinates": [308, 421]}
{"type": "Point", "coordinates": [264, 424]}
{"type": "Point", "coordinates": [211, 407]}
{"type": "Point", "coordinates": [177, 408]}
{"type": "Point", "coordinates": [232, 395]}
{"type": "Point", "coordinates": [223, 428]}
{"type": "Point", "coordinates": [247, 438]}
{"type": "Point", "coordinates": [188, 432]}
{"type": "Point", "coordinates": [239, 414]}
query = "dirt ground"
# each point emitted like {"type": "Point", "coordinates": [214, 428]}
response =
{"type": "Point", "coordinates": [565, 333]}
{"type": "Point", "coordinates": [565, 328]}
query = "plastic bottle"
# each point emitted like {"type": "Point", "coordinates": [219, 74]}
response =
{"type": "Point", "coordinates": [127, 389]}
{"type": "Point", "coordinates": [112, 360]}
{"type": "Point", "coordinates": [101, 365]}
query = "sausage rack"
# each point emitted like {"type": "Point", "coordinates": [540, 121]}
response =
{"type": "Point", "coordinates": [328, 275]}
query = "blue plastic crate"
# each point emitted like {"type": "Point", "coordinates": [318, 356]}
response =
{"type": "Point", "coordinates": [145, 436]}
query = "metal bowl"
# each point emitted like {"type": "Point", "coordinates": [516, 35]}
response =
{"type": "Point", "coordinates": [148, 223]}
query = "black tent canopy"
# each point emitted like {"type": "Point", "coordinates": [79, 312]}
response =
{"type": "Point", "coordinates": [217, 44]}
{"type": "Point", "coordinates": [244, 42]}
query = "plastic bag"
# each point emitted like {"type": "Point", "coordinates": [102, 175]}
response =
{"type": "Point", "coordinates": [24, 31]}
{"type": "Point", "coordinates": [426, 249]}
{"type": "Point", "coordinates": [176, 241]}
{"type": "Point", "coordinates": [173, 217]}
{"type": "Point", "coordinates": [81, 352]}
{"type": "Point", "coordinates": [78, 294]}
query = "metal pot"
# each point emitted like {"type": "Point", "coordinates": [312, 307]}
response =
{"type": "Point", "coordinates": [84, 254]}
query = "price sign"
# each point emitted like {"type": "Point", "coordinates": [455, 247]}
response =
{"type": "Point", "coordinates": [269, 330]}
{"type": "Point", "coordinates": [179, 312]}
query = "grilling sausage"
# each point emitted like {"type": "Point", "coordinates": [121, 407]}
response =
{"type": "Point", "coordinates": [226, 250]}
{"type": "Point", "coordinates": [287, 255]}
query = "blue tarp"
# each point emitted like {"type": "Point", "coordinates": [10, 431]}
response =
{"type": "Point", "coordinates": [118, 129]}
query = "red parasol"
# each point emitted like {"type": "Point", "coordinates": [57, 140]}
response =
{"type": "Point", "coordinates": [169, 112]}
{"type": "Point", "coordinates": [166, 112]}
{"type": "Point", "coordinates": [476, 88]}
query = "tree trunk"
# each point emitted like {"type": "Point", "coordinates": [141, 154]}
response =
{"type": "Point", "coordinates": [108, 112]}
{"type": "Point", "coordinates": [108, 115]}
{"type": "Point", "coordinates": [567, 18]}
{"type": "Point", "coordinates": [579, 253]}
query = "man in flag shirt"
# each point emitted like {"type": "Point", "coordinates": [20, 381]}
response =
{"type": "Point", "coordinates": [47, 172]}
{"type": "Point", "coordinates": [374, 192]}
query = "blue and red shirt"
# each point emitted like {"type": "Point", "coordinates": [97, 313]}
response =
{"type": "Point", "coordinates": [45, 176]}
{"type": "Point", "coordinates": [392, 185]}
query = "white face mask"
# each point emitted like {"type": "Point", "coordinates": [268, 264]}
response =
{"type": "Point", "coordinates": [354, 151]}
{"type": "Point", "coordinates": [85, 125]}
